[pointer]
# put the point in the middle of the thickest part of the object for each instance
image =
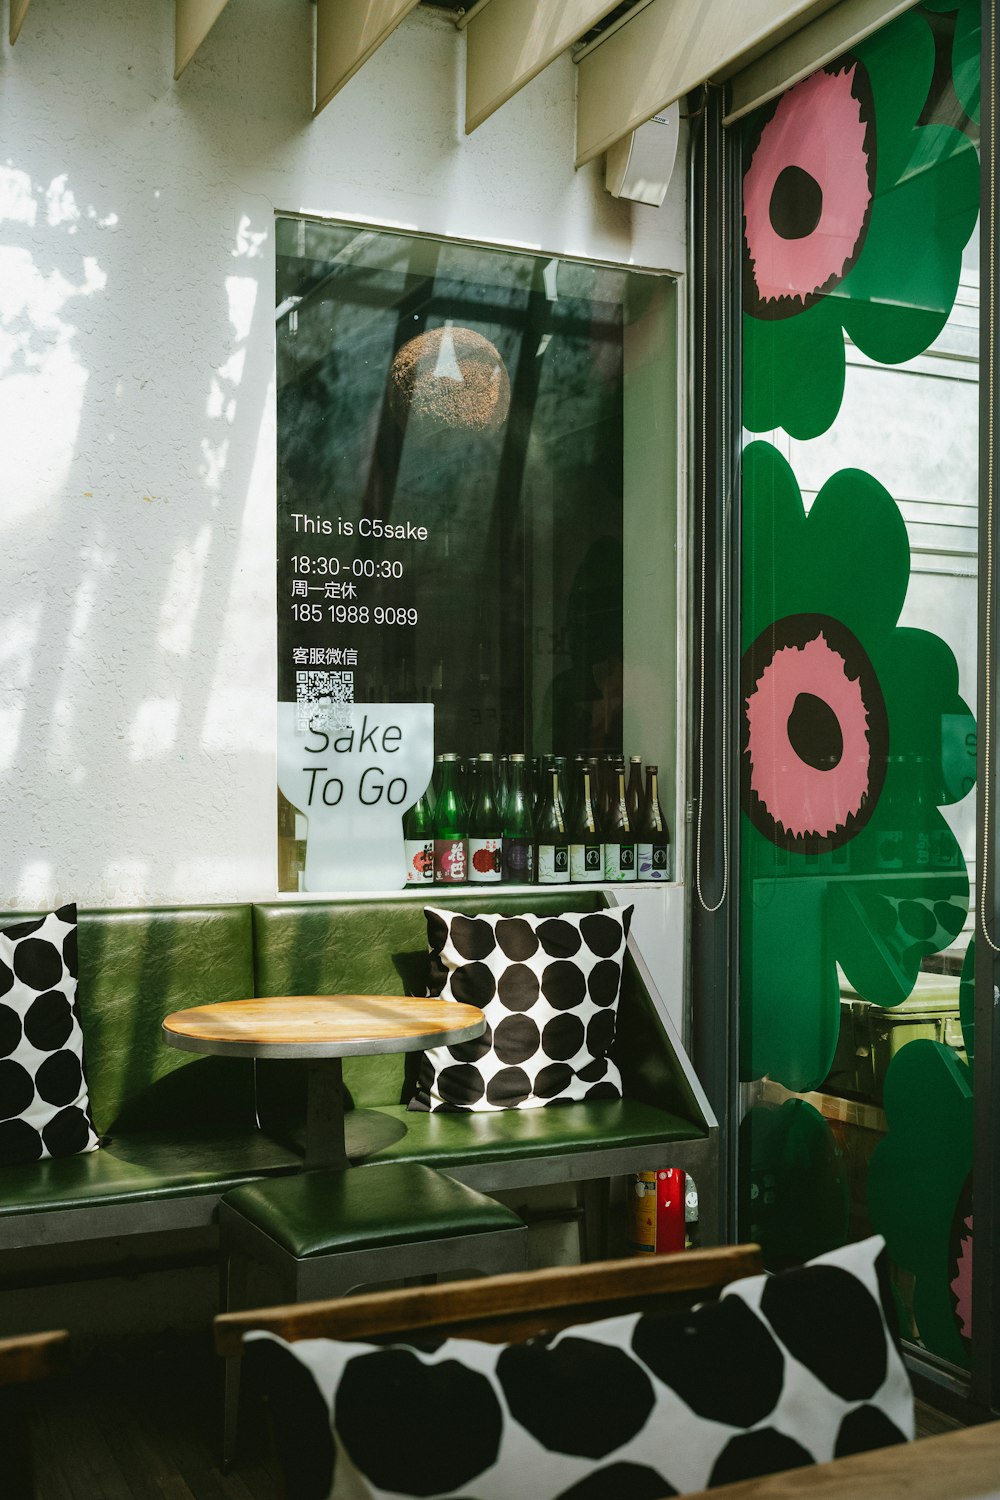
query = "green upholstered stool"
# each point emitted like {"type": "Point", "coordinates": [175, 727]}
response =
{"type": "Point", "coordinates": [327, 1232]}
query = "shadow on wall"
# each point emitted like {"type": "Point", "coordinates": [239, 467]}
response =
{"type": "Point", "coordinates": [135, 606]}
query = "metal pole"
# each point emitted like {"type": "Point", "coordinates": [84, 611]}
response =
{"type": "Point", "coordinates": [714, 872]}
{"type": "Point", "coordinates": [986, 1158]}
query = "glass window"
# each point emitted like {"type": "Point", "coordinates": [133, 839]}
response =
{"type": "Point", "coordinates": [476, 522]}
{"type": "Point", "coordinates": [861, 327]}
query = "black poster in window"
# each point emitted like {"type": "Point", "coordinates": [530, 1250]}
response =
{"type": "Point", "coordinates": [449, 492]}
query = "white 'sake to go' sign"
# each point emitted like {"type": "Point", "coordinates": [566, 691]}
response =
{"type": "Point", "coordinates": [353, 783]}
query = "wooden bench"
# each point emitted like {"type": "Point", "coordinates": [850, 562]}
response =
{"type": "Point", "coordinates": [501, 1309]}
{"type": "Point", "coordinates": [175, 1134]}
{"type": "Point", "coordinates": [493, 1309]}
{"type": "Point", "coordinates": [380, 947]}
{"type": "Point", "coordinates": [179, 1130]}
{"type": "Point", "coordinates": [509, 1309]}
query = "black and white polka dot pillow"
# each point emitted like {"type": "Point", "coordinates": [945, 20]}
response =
{"type": "Point", "coordinates": [44, 1102]}
{"type": "Point", "coordinates": [549, 988]}
{"type": "Point", "coordinates": [781, 1372]}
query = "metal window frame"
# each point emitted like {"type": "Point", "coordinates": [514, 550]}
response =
{"type": "Point", "coordinates": [714, 956]}
{"type": "Point", "coordinates": [985, 1381]}
{"type": "Point", "coordinates": [713, 874]}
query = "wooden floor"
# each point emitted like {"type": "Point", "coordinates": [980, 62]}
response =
{"type": "Point", "coordinates": [930, 1421]}
{"type": "Point", "coordinates": [140, 1420]}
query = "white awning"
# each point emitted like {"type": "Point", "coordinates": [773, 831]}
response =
{"type": "Point", "coordinates": [18, 11]}
{"type": "Point", "coordinates": [668, 49]}
{"type": "Point", "coordinates": [193, 20]}
{"type": "Point", "coordinates": [638, 57]}
{"type": "Point", "coordinates": [508, 42]}
{"type": "Point", "coordinates": [816, 44]}
{"type": "Point", "coordinates": [347, 33]}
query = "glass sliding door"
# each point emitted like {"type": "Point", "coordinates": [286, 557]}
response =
{"type": "Point", "coordinates": [859, 643]}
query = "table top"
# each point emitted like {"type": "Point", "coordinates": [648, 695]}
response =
{"type": "Point", "coordinates": [961, 1465]}
{"type": "Point", "coordinates": [322, 1025]}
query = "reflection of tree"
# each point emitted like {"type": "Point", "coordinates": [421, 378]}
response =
{"type": "Point", "coordinates": [511, 512]}
{"type": "Point", "coordinates": [579, 426]}
{"type": "Point", "coordinates": [584, 702]}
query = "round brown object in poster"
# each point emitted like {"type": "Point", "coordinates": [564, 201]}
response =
{"type": "Point", "coordinates": [450, 377]}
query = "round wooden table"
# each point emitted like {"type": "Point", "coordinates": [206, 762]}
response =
{"type": "Point", "coordinates": [322, 1029]}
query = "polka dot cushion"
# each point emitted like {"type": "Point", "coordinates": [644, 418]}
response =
{"type": "Point", "coordinates": [549, 988]}
{"type": "Point", "coordinates": [781, 1371]}
{"type": "Point", "coordinates": [44, 1103]}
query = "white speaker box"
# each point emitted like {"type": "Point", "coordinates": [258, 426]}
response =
{"type": "Point", "coordinates": [640, 165]}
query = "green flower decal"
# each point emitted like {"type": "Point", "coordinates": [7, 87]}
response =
{"type": "Point", "coordinates": [855, 218]}
{"type": "Point", "coordinates": [920, 1185]}
{"type": "Point", "coordinates": [853, 737]}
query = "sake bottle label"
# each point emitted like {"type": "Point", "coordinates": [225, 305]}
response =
{"type": "Point", "coordinates": [484, 861]}
{"type": "Point", "coordinates": [449, 861]}
{"type": "Point", "coordinates": [654, 861]}
{"type": "Point", "coordinates": [585, 862]}
{"type": "Point", "coordinates": [619, 861]}
{"type": "Point", "coordinates": [518, 861]}
{"type": "Point", "coordinates": [553, 864]}
{"type": "Point", "coordinates": [419, 855]}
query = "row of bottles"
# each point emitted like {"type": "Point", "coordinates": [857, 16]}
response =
{"type": "Point", "coordinates": [509, 831]}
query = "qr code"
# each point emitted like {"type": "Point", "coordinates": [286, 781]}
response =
{"type": "Point", "coordinates": [322, 700]}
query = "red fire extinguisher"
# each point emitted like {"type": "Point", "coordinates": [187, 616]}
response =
{"type": "Point", "coordinates": [656, 1211]}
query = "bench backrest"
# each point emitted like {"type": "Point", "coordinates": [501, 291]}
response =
{"type": "Point", "coordinates": [368, 947]}
{"type": "Point", "coordinates": [380, 947]}
{"type": "Point", "coordinates": [137, 965]}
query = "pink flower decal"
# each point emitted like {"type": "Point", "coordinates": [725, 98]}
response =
{"type": "Point", "coordinates": [961, 1286]}
{"type": "Point", "coordinates": [960, 1262]}
{"type": "Point", "coordinates": [815, 734]}
{"type": "Point", "coordinates": [808, 190]}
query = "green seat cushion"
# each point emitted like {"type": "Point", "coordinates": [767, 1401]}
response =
{"type": "Point", "coordinates": [148, 1166]}
{"type": "Point", "coordinates": [452, 1140]}
{"type": "Point", "coordinates": [319, 1213]}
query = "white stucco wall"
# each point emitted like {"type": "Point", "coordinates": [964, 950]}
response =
{"type": "Point", "coordinates": [136, 423]}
